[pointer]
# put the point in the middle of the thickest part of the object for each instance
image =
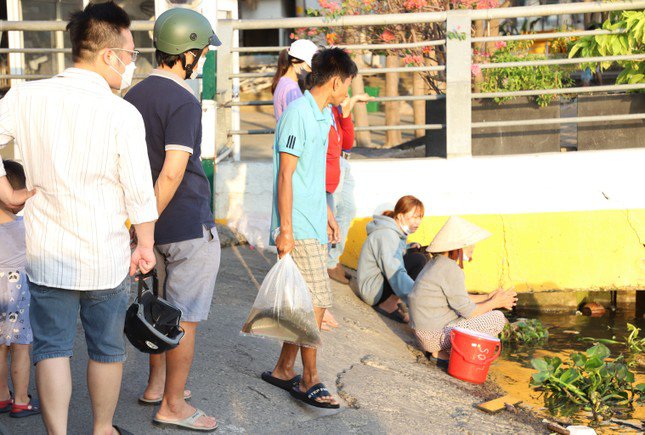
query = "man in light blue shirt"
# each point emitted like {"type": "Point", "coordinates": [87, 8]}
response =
{"type": "Point", "coordinates": [300, 211]}
{"type": "Point", "coordinates": [303, 132]}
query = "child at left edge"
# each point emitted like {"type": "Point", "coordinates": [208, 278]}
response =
{"type": "Point", "coordinates": [15, 329]}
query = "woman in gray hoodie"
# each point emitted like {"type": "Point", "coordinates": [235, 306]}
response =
{"type": "Point", "coordinates": [386, 270]}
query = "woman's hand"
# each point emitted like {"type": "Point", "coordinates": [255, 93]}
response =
{"type": "Point", "coordinates": [348, 105]}
{"type": "Point", "coordinates": [504, 298]}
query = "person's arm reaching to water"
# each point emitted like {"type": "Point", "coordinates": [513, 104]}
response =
{"type": "Point", "coordinates": [499, 299]}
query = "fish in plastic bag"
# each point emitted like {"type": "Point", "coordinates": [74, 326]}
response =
{"type": "Point", "coordinates": [283, 309]}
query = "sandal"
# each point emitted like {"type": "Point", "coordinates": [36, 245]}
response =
{"type": "Point", "coordinates": [144, 401]}
{"type": "Point", "coordinates": [394, 315]}
{"type": "Point", "coordinates": [440, 362]}
{"type": "Point", "coordinates": [21, 411]}
{"type": "Point", "coordinates": [280, 383]}
{"type": "Point", "coordinates": [315, 392]}
{"type": "Point", "coordinates": [187, 423]}
{"type": "Point", "coordinates": [5, 405]}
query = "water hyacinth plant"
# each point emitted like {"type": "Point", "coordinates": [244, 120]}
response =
{"type": "Point", "coordinates": [588, 381]}
{"type": "Point", "coordinates": [524, 331]}
{"type": "Point", "coordinates": [634, 345]}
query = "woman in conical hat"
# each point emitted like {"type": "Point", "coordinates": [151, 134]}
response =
{"type": "Point", "coordinates": [439, 300]}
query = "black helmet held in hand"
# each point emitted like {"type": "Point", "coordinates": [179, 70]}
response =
{"type": "Point", "coordinates": [151, 322]}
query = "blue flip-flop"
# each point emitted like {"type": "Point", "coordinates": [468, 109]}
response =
{"type": "Point", "coordinates": [280, 383]}
{"type": "Point", "coordinates": [315, 392]}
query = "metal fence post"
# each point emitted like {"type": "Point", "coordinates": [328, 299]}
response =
{"type": "Point", "coordinates": [458, 83]}
{"type": "Point", "coordinates": [223, 93]}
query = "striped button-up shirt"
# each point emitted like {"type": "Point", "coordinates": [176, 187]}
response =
{"type": "Point", "coordinates": [84, 151]}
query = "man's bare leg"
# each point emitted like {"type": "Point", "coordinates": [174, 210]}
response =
{"type": "Point", "coordinates": [310, 369]}
{"type": "Point", "coordinates": [178, 364]}
{"type": "Point", "coordinates": [156, 377]}
{"type": "Point", "coordinates": [285, 367]}
{"type": "Point", "coordinates": [104, 383]}
{"type": "Point", "coordinates": [54, 382]}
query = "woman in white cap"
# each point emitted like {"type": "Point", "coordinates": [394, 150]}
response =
{"type": "Point", "coordinates": [439, 300]}
{"type": "Point", "coordinates": [293, 64]}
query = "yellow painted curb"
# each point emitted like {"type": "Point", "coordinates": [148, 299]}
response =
{"type": "Point", "coordinates": [585, 250]}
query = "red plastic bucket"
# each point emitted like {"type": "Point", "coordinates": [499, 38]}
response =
{"type": "Point", "coordinates": [471, 355]}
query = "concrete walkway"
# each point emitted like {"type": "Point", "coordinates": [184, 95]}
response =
{"type": "Point", "coordinates": [367, 362]}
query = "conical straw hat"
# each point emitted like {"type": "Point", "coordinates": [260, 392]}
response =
{"type": "Point", "coordinates": [457, 233]}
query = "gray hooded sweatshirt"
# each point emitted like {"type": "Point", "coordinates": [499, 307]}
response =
{"type": "Point", "coordinates": [382, 258]}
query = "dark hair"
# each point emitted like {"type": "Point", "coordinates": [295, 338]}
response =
{"type": "Point", "coordinates": [284, 62]}
{"type": "Point", "coordinates": [405, 205]}
{"type": "Point", "coordinates": [171, 59]}
{"type": "Point", "coordinates": [96, 27]}
{"type": "Point", "coordinates": [306, 82]}
{"type": "Point", "coordinates": [15, 174]}
{"type": "Point", "coordinates": [166, 59]}
{"type": "Point", "coordinates": [332, 62]}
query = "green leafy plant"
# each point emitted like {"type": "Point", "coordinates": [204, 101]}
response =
{"type": "Point", "coordinates": [524, 77]}
{"type": "Point", "coordinates": [632, 41]}
{"type": "Point", "coordinates": [634, 344]}
{"type": "Point", "coordinates": [524, 331]}
{"type": "Point", "coordinates": [587, 381]}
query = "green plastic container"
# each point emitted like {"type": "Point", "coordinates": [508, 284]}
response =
{"type": "Point", "coordinates": [209, 76]}
{"type": "Point", "coordinates": [372, 91]}
{"type": "Point", "coordinates": [209, 170]}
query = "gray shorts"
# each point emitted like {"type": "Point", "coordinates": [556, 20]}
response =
{"type": "Point", "coordinates": [187, 273]}
{"type": "Point", "coordinates": [311, 258]}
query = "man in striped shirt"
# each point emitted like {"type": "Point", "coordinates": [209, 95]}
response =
{"type": "Point", "coordinates": [84, 153]}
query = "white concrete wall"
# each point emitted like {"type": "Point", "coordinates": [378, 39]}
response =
{"type": "Point", "coordinates": [574, 181]}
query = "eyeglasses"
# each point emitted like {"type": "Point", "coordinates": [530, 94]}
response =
{"type": "Point", "coordinates": [133, 53]}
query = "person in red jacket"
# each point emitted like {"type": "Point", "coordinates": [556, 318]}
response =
{"type": "Point", "coordinates": [341, 141]}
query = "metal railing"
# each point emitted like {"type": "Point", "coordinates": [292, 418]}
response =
{"type": "Point", "coordinates": [458, 94]}
{"type": "Point", "coordinates": [458, 51]}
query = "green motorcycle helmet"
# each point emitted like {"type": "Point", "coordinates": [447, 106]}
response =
{"type": "Point", "coordinates": [179, 30]}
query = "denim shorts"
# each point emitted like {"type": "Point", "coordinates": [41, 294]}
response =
{"type": "Point", "coordinates": [54, 316]}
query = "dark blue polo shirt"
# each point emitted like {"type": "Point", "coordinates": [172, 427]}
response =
{"type": "Point", "coordinates": [173, 120]}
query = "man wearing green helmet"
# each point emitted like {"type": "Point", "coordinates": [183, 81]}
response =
{"type": "Point", "coordinates": [187, 245]}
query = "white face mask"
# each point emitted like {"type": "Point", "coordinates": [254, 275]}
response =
{"type": "Point", "coordinates": [199, 68]}
{"type": "Point", "coordinates": [464, 256]}
{"type": "Point", "coordinates": [128, 74]}
{"type": "Point", "coordinates": [405, 228]}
